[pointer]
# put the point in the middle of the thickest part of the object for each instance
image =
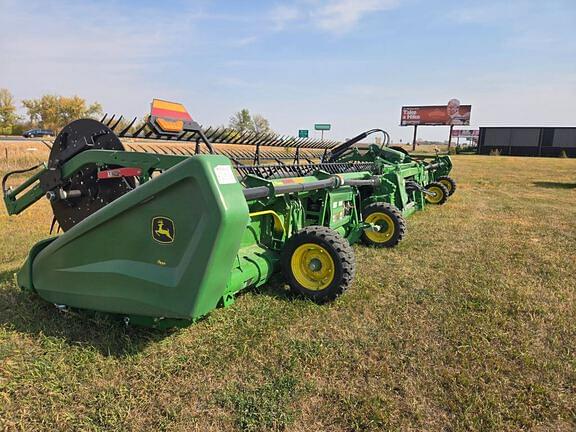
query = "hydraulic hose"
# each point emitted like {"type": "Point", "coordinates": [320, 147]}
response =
{"type": "Point", "coordinates": [342, 148]}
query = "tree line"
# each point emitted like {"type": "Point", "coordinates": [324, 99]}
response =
{"type": "Point", "coordinates": [47, 112]}
{"type": "Point", "coordinates": [55, 111]}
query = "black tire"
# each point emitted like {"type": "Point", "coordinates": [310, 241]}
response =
{"type": "Point", "coordinates": [450, 184]}
{"type": "Point", "coordinates": [395, 221]}
{"type": "Point", "coordinates": [295, 267]}
{"type": "Point", "coordinates": [441, 193]}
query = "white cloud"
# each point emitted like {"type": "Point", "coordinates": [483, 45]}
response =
{"type": "Point", "coordinates": [333, 16]}
{"type": "Point", "coordinates": [475, 15]}
{"type": "Point", "coordinates": [281, 15]}
{"type": "Point", "coordinates": [526, 25]}
{"type": "Point", "coordinates": [341, 16]}
{"type": "Point", "coordinates": [96, 49]}
{"type": "Point", "coordinates": [244, 41]}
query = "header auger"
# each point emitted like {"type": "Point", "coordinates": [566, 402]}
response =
{"type": "Point", "coordinates": [165, 221]}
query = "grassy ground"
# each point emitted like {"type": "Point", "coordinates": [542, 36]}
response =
{"type": "Point", "coordinates": [469, 325]}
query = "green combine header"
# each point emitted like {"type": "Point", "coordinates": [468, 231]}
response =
{"type": "Point", "coordinates": [162, 222]}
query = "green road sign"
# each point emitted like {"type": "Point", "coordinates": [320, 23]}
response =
{"type": "Point", "coordinates": [322, 126]}
{"type": "Point", "coordinates": [303, 133]}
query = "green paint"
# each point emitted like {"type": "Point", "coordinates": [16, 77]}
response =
{"type": "Point", "coordinates": [322, 127]}
{"type": "Point", "coordinates": [211, 244]}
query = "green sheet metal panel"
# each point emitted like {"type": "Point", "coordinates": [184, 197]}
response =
{"type": "Point", "coordinates": [113, 261]}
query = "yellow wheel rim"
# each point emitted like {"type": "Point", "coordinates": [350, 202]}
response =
{"type": "Point", "coordinates": [447, 184]}
{"type": "Point", "coordinates": [437, 197]}
{"type": "Point", "coordinates": [312, 266]}
{"type": "Point", "coordinates": [386, 224]}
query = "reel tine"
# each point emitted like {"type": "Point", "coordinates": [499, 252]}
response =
{"type": "Point", "coordinates": [103, 118]}
{"type": "Point", "coordinates": [245, 138]}
{"type": "Point", "coordinates": [207, 131]}
{"type": "Point", "coordinates": [232, 137]}
{"type": "Point", "coordinates": [225, 136]}
{"type": "Point", "coordinates": [110, 120]}
{"type": "Point", "coordinates": [288, 141]}
{"type": "Point", "coordinates": [140, 129]}
{"type": "Point", "coordinates": [211, 132]}
{"type": "Point", "coordinates": [253, 138]}
{"type": "Point", "coordinates": [214, 135]}
{"type": "Point", "coordinates": [127, 128]}
{"type": "Point", "coordinates": [181, 136]}
{"type": "Point", "coordinates": [270, 140]}
{"type": "Point", "coordinates": [117, 123]}
{"type": "Point", "coordinates": [217, 135]}
{"type": "Point", "coordinates": [189, 137]}
{"type": "Point", "coordinates": [260, 138]}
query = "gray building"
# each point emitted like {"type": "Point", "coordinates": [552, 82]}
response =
{"type": "Point", "coordinates": [528, 141]}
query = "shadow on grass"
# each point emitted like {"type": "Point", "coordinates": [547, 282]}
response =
{"type": "Point", "coordinates": [27, 313]}
{"type": "Point", "coordinates": [555, 185]}
{"type": "Point", "coordinates": [278, 288]}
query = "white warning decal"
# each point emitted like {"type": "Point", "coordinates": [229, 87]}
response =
{"type": "Point", "coordinates": [224, 174]}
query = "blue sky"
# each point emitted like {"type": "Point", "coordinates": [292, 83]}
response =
{"type": "Point", "coordinates": [349, 63]}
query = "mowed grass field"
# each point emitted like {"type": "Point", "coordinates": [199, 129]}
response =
{"type": "Point", "coordinates": [470, 324]}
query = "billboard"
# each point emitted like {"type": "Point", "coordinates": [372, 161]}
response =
{"type": "Point", "coordinates": [466, 133]}
{"type": "Point", "coordinates": [437, 115]}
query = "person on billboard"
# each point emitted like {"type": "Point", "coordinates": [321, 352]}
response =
{"type": "Point", "coordinates": [455, 117]}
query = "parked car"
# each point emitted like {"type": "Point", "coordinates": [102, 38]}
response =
{"type": "Point", "coordinates": [35, 133]}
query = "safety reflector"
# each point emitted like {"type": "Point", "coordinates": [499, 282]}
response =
{"type": "Point", "coordinates": [119, 172]}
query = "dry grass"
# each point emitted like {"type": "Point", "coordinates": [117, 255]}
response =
{"type": "Point", "coordinates": [469, 325]}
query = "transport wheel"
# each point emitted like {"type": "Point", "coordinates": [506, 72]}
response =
{"type": "Point", "coordinates": [439, 191]}
{"type": "Point", "coordinates": [318, 263]}
{"type": "Point", "coordinates": [389, 220]}
{"type": "Point", "coordinates": [449, 182]}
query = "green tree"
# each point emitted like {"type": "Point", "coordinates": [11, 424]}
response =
{"type": "Point", "coordinates": [261, 125]}
{"type": "Point", "coordinates": [8, 116]}
{"type": "Point", "coordinates": [54, 112]}
{"type": "Point", "coordinates": [242, 121]}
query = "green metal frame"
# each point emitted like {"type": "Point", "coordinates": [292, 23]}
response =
{"type": "Point", "coordinates": [56, 268]}
{"type": "Point", "coordinates": [160, 287]}
{"type": "Point", "coordinates": [395, 168]}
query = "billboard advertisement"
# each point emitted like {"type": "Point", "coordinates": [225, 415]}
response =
{"type": "Point", "coordinates": [437, 115]}
{"type": "Point", "coordinates": [466, 133]}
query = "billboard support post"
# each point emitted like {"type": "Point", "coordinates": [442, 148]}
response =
{"type": "Point", "coordinates": [450, 136]}
{"type": "Point", "coordinates": [414, 139]}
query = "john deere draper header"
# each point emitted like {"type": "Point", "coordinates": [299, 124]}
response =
{"type": "Point", "coordinates": [163, 221]}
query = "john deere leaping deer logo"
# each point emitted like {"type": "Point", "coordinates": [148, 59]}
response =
{"type": "Point", "coordinates": [163, 229]}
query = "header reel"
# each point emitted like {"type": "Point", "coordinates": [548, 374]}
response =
{"type": "Point", "coordinates": [73, 199]}
{"type": "Point", "coordinates": [97, 185]}
{"type": "Point", "coordinates": [169, 130]}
